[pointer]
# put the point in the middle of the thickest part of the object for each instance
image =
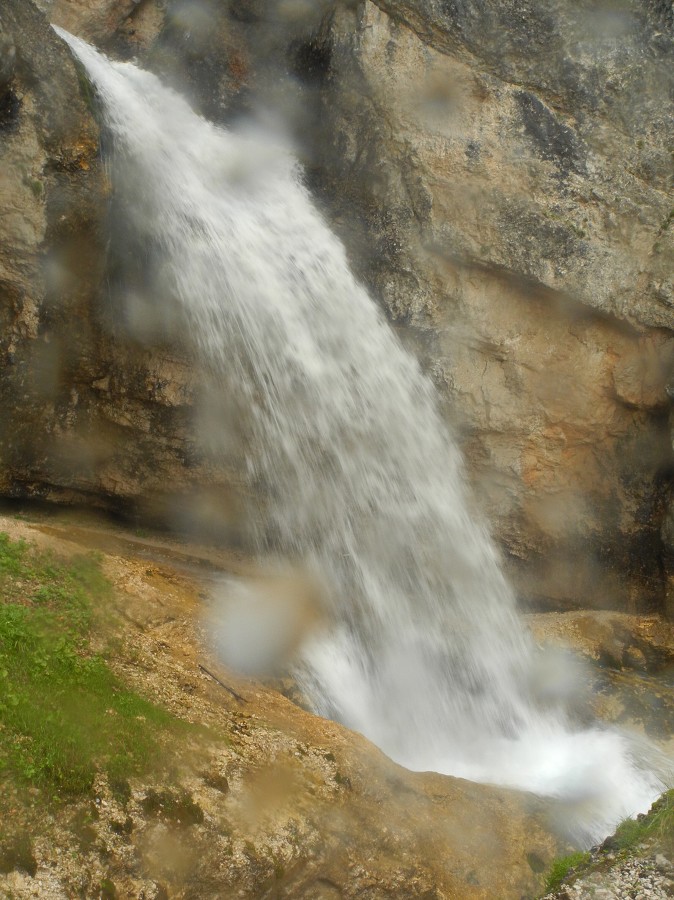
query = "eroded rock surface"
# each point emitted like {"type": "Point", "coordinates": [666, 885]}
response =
{"type": "Point", "coordinates": [502, 177]}
{"type": "Point", "coordinates": [616, 668]}
{"type": "Point", "coordinates": [89, 413]}
{"type": "Point", "coordinates": [267, 801]}
{"type": "Point", "coordinates": [510, 171]}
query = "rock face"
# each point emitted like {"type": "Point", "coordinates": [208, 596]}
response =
{"type": "Point", "coordinates": [509, 169]}
{"type": "Point", "coordinates": [89, 414]}
{"type": "Point", "coordinates": [53, 198]}
{"type": "Point", "coordinates": [617, 664]}
{"type": "Point", "coordinates": [501, 175]}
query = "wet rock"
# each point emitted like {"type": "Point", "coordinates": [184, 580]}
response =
{"type": "Point", "coordinates": [663, 864]}
{"type": "Point", "coordinates": [610, 638]}
{"type": "Point", "coordinates": [501, 177]}
{"type": "Point", "coordinates": [94, 20]}
{"type": "Point", "coordinates": [300, 807]}
{"type": "Point", "coordinates": [7, 60]}
{"type": "Point", "coordinates": [613, 664]}
{"type": "Point", "coordinates": [87, 414]}
{"type": "Point", "coordinates": [635, 658]}
{"type": "Point", "coordinates": [641, 380]}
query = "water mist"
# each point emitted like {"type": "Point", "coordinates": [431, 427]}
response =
{"type": "Point", "coordinates": [363, 482]}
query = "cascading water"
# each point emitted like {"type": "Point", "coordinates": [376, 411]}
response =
{"type": "Point", "coordinates": [365, 488]}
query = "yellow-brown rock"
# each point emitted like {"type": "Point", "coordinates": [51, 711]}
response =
{"type": "Point", "coordinates": [283, 804]}
{"type": "Point", "coordinates": [501, 177]}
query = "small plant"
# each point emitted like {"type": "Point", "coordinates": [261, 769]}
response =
{"type": "Point", "coordinates": [562, 867]}
{"type": "Point", "coordinates": [666, 222]}
{"type": "Point", "coordinates": [35, 185]}
{"type": "Point", "coordinates": [657, 824]}
{"type": "Point", "coordinates": [107, 890]}
{"type": "Point", "coordinates": [86, 90]}
{"type": "Point", "coordinates": [122, 827]}
{"type": "Point", "coordinates": [662, 816]}
{"type": "Point", "coordinates": [343, 780]}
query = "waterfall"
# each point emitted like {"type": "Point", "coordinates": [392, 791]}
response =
{"type": "Point", "coordinates": [363, 482]}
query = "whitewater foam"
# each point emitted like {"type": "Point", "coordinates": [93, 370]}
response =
{"type": "Point", "coordinates": [362, 480]}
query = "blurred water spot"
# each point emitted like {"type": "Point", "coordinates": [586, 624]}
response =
{"type": "Point", "coordinates": [259, 624]}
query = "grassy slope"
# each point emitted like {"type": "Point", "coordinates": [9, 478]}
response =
{"type": "Point", "coordinates": [64, 716]}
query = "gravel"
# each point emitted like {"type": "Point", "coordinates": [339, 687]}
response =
{"type": "Point", "coordinates": [638, 878]}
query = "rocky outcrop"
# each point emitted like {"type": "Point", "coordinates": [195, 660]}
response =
{"type": "Point", "coordinates": [90, 413]}
{"type": "Point", "coordinates": [508, 168]}
{"type": "Point", "coordinates": [259, 799]}
{"type": "Point", "coordinates": [615, 667]}
{"type": "Point", "coordinates": [501, 175]}
{"type": "Point", "coordinates": [53, 198]}
{"type": "Point", "coordinates": [195, 46]}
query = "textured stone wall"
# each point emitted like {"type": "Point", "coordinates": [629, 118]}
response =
{"type": "Point", "coordinates": [508, 170]}
{"type": "Point", "coordinates": [502, 177]}
{"type": "Point", "coordinates": [89, 412]}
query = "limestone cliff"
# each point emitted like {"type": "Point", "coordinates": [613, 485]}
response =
{"type": "Point", "coordinates": [502, 177]}
{"type": "Point", "coordinates": [90, 414]}
{"type": "Point", "coordinates": [509, 169]}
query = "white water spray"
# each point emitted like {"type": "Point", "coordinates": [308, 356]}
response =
{"type": "Point", "coordinates": [365, 487]}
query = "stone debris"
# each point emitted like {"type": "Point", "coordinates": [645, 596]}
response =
{"type": "Point", "coordinates": [639, 878]}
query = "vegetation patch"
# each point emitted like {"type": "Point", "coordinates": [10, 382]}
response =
{"type": "Point", "coordinates": [645, 835]}
{"type": "Point", "coordinates": [343, 780]}
{"type": "Point", "coordinates": [64, 715]}
{"type": "Point", "coordinates": [657, 826]}
{"type": "Point", "coordinates": [563, 867]}
{"type": "Point", "coordinates": [667, 221]}
{"type": "Point", "coordinates": [107, 890]}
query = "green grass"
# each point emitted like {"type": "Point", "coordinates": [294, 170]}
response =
{"type": "Point", "coordinates": [35, 185]}
{"type": "Point", "coordinates": [64, 715]}
{"type": "Point", "coordinates": [561, 868]}
{"type": "Point", "coordinates": [86, 89]}
{"type": "Point", "coordinates": [654, 830]}
{"type": "Point", "coordinates": [661, 816]}
{"type": "Point", "coordinates": [629, 833]}
{"type": "Point", "coordinates": [657, 825]}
